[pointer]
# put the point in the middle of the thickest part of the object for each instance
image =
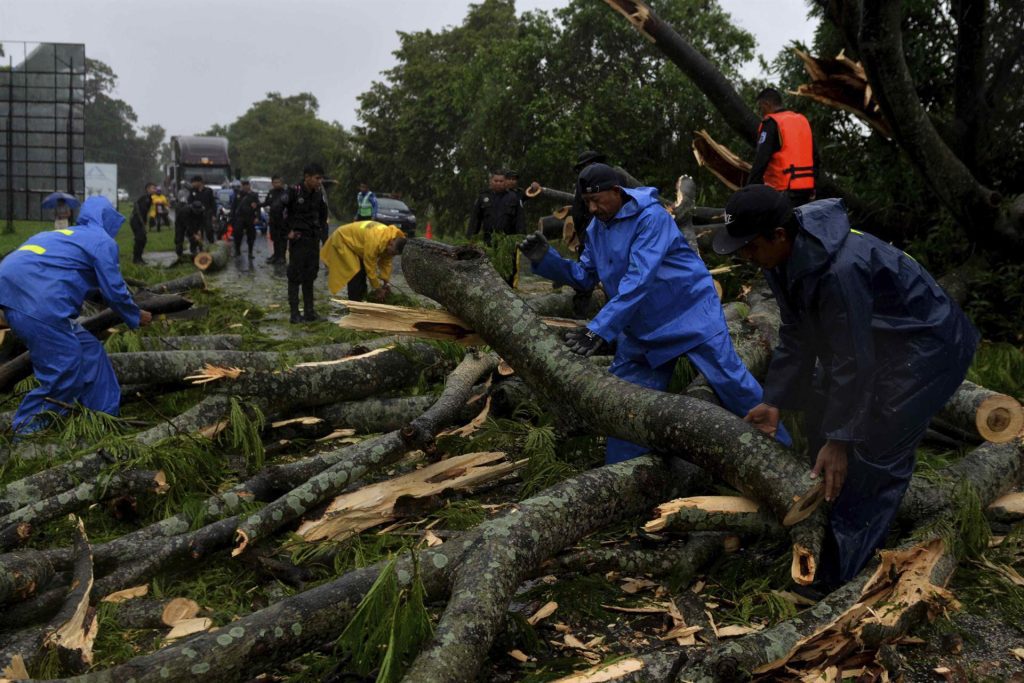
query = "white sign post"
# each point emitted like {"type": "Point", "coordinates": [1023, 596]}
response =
{"type": "Point", "coordinates": [101, 179]}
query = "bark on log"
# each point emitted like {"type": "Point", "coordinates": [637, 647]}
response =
{"type": "Point", "coordinates": [370, 454]}
{"type": "Point", "coordinates": [1006, 509]}
{"type": "Point", "coordinates": [52, 481]}
{"type": "Point", "coordinates": [711, 437]}
{"type": "Point", "coordinates": [86, 493]}
{"type": "Point", "coordinates": [372, 415]}
{"type": "Point", "coordinates": [560, 304]}
{"type": "Point", "coordinates": [213, 259]}
{"type": "Point", "coordinates": [184, 283]}
{"type": "Point", "coordinates": [507, 550]}
{"type": "Point", "coordinates": [993, 416]}
{"type": "Point", "coordinates": [714, 513]}
{"type": "Point", "coordinates": [681, 560]}
{"type": "Point", "coordinates": [150, 613]}
{"type": "Point", "coordinates": [536, 190]}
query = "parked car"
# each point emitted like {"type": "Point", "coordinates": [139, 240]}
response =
{"type": "Point", "coordinates": [395, 212]}
{"type": "Point", "coordinates": [261, 186]}
{"type": "Point", "coordinates": [122, 195]}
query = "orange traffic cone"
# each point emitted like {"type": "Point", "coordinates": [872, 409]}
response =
{"type": "Point", "coordinates": [430, 232]}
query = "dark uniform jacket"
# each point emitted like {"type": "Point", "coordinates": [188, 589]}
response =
{"type": "Point", "coordinates": [140, 210]}
{"type": "Point", "coordinates": [307, 213]}
{"type": "Point", "coordinates": [889, 342]}
{"type": "Point", "coordinates": [245, 209]}
{"type": "Point", "coordinates": [275, 202]}
{"type": "Point", "coordinates": [209, 202]}
{"type": "Point", "coordinates": [500, 212]}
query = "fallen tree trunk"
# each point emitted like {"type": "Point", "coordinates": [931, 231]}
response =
{"type": "Point", "coordinates": [462, 280]}
{"type": "Point", "coordinates": [681, 561]}
{"type": "Point", "coordinates": [372, 415]}
{"type": "Point", "coordinates": [536, 190]}
{"type": "Point", "coordinates": [213, 259]}
{"type": "Point", "coordinates": [993, 416]}
{"type": "Point", "coordinates": [184, 283]}
{"type": "Point", "coordinates": [208, 342]}
{"type": "Point", "coordinates": [52, 481]}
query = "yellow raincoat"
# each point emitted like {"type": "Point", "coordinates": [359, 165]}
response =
{"type": "Point", "coordinates": [365, 241]}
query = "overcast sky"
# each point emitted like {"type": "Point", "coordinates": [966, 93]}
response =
{"type": "Point", "coordinates": [188, 64]}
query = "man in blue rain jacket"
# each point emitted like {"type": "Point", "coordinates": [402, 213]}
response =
{"type": "Point", "coordinates": [43, 284]}
{"type": "Point", "coordinates": [661, 299]}
{"type": "Point", "coordinates": [870, 349]}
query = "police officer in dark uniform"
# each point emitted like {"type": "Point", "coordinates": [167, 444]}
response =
{"type": "Point", "coordinates": [275, 202]}
{"type": "Point", "coordinates": [243, 216]}
{"type": "Point", "coordinates": [140, 215]}
{"type": "Point", "coordinates": [495, 210]}
{"type": "Point", "coordinates": [195, 217]}
{"type": "Point", "coordinates": [307, 230]}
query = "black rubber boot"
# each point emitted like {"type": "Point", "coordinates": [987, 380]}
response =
{"type": "Point", "coordinates": [293, 302]}
{"type": "Point", "coordinates": [307, 300]}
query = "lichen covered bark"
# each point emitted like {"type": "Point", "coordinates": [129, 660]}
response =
{"type": "Point", "coordinates": [463, 281]}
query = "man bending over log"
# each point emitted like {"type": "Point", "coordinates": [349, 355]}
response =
{"type": "Point", "coordinates": [43, 284]}
{"type": "Point", "coordinates": [361, 250]}
{"type": "Point", "coordinates": [661, 300]}
{"type": "Point", "coordinates": [870, 349]}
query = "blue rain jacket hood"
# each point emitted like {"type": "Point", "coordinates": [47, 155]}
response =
{"type": "Point", "coordinates": [661, 299]}
{"type": "Point", "coordinates": [885, 335]}
{"type": "Point", "coordinates": [49, 276]}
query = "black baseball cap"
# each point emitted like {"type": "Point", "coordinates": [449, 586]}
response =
{"type": "Point", "coordinates": [751, 211]}
{"type": "Point", "coordinates": [588, 157]}
{"type": "Point", "coordinates": [598, 178]}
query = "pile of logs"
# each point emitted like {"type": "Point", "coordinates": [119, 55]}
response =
{"type": "Point", "coordinates": [327, 394]}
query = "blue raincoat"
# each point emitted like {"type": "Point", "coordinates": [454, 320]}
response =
{"type": "Point", "coordinates": [43, 284]}
{"type": "Point", "coordinates": [870, 348]}
{"type": "Point", "coordinates": [661, 305]}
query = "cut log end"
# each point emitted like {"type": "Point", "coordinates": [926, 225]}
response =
{"type": "Point", "coordinates": [243, 541]}
{"type": "Point", "coordinates": [804, 505]}
{"type": "Point", "coordinates": [203, 260]}
{"type": "Point", "coordinates": [804, 566]}
{"type": "Point", "coordinates": [999, 418]}
{"type": "Point", "coordinates": [179, 609]}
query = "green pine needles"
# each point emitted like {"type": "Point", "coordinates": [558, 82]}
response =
{"type": "Point", "coordinates": [246, 424]}
{"type": "Point", "coordinates": [389, 626]}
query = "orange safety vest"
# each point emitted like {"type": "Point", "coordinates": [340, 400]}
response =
{"type": "Point", "coordinates": [792, 167]}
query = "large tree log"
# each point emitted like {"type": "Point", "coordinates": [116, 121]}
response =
{"type": "Point", "coordinates": [681, 560]}
{"type": "Point", "coordinates": [993, 416]}
{"type": "Point", "coordinates": [463, 281]}
{"type": "Point", "coordinates": [372, 415]}
{"type": "Point", "coordinates": [209, 342]}
{"type": "Point", "coordinates": [52, 481]}
{"type": "Point", "coordinates": [537, 190]}
{"type": "Point", "coordinates": [184, 283]}
{"type": "Point", "coordinates": [213, 259]}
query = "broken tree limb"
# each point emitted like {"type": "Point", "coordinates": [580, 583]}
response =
{"type": "Point", "coordinates": [15, 527]}
{"type": "Point", "coordinates": [841, 83]}
{"type": "Point", "coordinates": [372, 415]}
{"type": "Point", "coordinates": [352, 513]}
{"type": "Point", "coordinates": [52, 481]}
{"type": "Point", "coordinates": [150, 613]}
{"type": "Point", "coordinates": [184, 283]}
{"type": "Point", "coordinates": [720, 160]}
{"type": "Point", "coordinates": [714, 513]}
{"type": "Point", "coordinates": [213, 259]}
{"type": "Point", "coordinates": [993, 416]}
{"type": "Point", "coordinates": [463, 281]}
{"type": "Point", "coordinates": [72, 631]}
{"type": "Point", "coordinates": [508, 549]}
{"type": "Point", "coordinates": [369, 455]}
{"type": "Point", "coordinates": [703, 73]}
{"type": "Point", "coordinates": [681, 560]}
{"type": "Point", "coordinates": [537, 190]}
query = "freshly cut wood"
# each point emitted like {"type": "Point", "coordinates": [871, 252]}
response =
{"type": "Point", "coordinates": [184, 283]}
{"type": "Point", "coordinates": [213, 259]}
{"type": "Point", "coordinates": [713, 513]}
{"type": "Point", "coordinates": [537, 190]}
{"type": "Point", "coordinates": [157, 614]}
{"type": "Point", "coordinates": [842, 83]}
{"type": "Point", "coordinates": [376, 504]}
{"type": "Point", "coordinates": [127, 594]}
{"type": "Point", "coordinates": [465, 283]}
{"type": "Point", "coordinates": [723, 163]}
{"type": "Point", "coordinates": [416, 322]}
{"type": "Point", "coordinates": [188, 627]}
{"type": "Point", "coordinates": [993, 416]}
{"type": "Point", "coordinates": [1008, 509]}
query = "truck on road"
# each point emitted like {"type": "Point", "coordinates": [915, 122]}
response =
{"type": "Point", "coordinates": [192, 155]}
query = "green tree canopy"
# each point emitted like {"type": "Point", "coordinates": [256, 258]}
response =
{"type": "Point", "coordinates": [111, 133]}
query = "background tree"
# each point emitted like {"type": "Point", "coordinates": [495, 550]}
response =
{"type": "Point", "coordinates": [112, 135]}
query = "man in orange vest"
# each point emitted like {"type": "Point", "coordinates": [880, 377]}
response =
{"type": "Point", "coordinates": [785, 150]}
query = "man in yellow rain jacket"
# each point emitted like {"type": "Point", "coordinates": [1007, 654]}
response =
{"type": "Point", "coordinates": [359, 251]}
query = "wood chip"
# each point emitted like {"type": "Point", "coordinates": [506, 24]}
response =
{"type": "Point", "coordinates": [178, 610]}
{"type": "Point", "coordinates": [519, 656]}
{"type": "Point", "coordinates": [632, 586]}
{"type": "Point", "coordinates": [1018, 652]}
{"type": "Point", "coordinates": [573, 642]}
{"type": "Point", "coordinates": [127, 594]}
{"type": "Point", "coordinates": [305, 421]}
{"type": "Point", "coordinates": [681, 632]}
{"type": "Point", "coordinates": [432, 539]}
{"type": "Point", "coordinates": [543, 613]}
{"type": "Point", "coordinates": [187, 627]}
{"type": "Point", "coordinates": [474, 425]}
{"type": "Point", "coordinates": [736, 630]}
{"type": "Point", "coordinates": [606, 672]}
{"type": "Point", "coordinates": [212, 373]}
{"type": "Point", "coordinates": [16, 669]}
{"type": "Point", "coordinates": [636, 610]}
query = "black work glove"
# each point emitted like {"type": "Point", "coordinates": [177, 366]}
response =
{"type": "Point", "coordinates": [534, 247]}
{"type": "Point", "coordinates": [582, 341]}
